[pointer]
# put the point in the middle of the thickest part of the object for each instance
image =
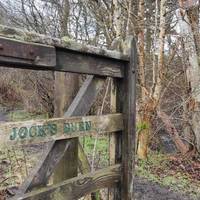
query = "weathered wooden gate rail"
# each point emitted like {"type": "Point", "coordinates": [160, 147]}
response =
{"type": "Point", "coordinates": [38, 131]}
{"type": "Point", "coordinates": [27, 50]}
{"type": "Point", "coordinates": [76, 188]}
{"type": "Point", "coordinates": [57, 55]}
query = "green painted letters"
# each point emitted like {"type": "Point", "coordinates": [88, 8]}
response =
{"type": "Point", "coordinates": [52, 129]}
{"type": "Point", "coordinates": [13, 135]}
{"type": "Point", "coordinates": [23, 132]}
{"type": "Point", "coordinates": [48, 130]}
{"type": "Point", "coordinates": [77, 126]}
{"type": "Point", "coordinates": [33, 131]}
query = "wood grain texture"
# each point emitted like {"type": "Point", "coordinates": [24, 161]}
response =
{"type": "Point", "coordinates": [19, 34]}
{"type": "Point", "coordinates": [81, 106]}
{"type": "Point", "coordinates": [37, 131]}
{"type": "Point", "coordinates": [40, 174]}
{"type": "Point", "coordinates": [71, 61]}
{"type": "Point", "coordinates": [24, 53]}
{"type": "Point", "coordinates": [113, 137]}
{"type": "Point", "coordinates": [33, 56]}
{"type": "Point", "coordinates": [128, 96]}
{"type": "Point", "coordinates": [85, 97]}
{"type": "Point", "coordinates": [77, 187]}
{"type": "Point", "coordinates": [68, 166]}
{"type": "Point", "coordinates": [66, 86]}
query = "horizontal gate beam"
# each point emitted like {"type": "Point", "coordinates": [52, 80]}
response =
{"type": "Point", "coordinates": [71, 61]}
{"type": "Point", "coordinates": [37, 131]}
{"type": "Point", "coordinates": [78, 187]}
{"type": "Point", "coordinates": [33, 56]}
{"type": "Point", "coordinates": [14, 52]}
{"type": "Point", "coordinates": [67, 43]}
{"type": "Point", "coordinates": [38, 52]}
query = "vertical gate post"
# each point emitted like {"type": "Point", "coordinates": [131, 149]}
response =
{"type": "Point", "coordinates": [114, 193]}
{"type": "Point", "coordinates": [128, 138]}
{"type": "Point", "coordinates": [64, 94]}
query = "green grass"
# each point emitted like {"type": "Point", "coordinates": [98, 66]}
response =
{"type": "Point", "coordinates": [101, 153]}
{"type": "Point", "coordinates": [155, 168]}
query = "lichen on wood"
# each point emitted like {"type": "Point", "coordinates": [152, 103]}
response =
{"type": "Point", "coordinates": [18, 34]}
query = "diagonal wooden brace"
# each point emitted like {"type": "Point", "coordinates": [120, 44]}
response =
{"type": "Point", "coordinates": [80, 106]}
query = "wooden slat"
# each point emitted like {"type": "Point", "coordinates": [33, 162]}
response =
{"type": "Point", "coordinates": [33, 56]}
{"type": "Point", "coordinates": [41, 173]}
{"type": "Point", "coordinates": [85, 96]}
{"type": "Point", "coordinates": [77, 187]}
{"type": "Point", "coordinates": [37, 131]}
{"type": "Point", "coordinates": [23, 53]}
{"type": "Point", "coordinates": [81, 106]}
{"type": "Point", "coordinates": [113, 143]}
{"type": "Point", "coordinates": [72, 61]}
{"type": "Point", "coordinates": [22, 35]}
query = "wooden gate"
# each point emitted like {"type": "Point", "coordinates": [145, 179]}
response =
{"type": "Point", "coordinates": [20, 49]}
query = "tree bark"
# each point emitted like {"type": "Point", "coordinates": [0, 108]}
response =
{"type": "Point", "coordinates": [171, 129]}
{"type": "Point", "coordinates": [190, 34]}
{"type": "Point", "coordinates": [144, 111]}
{"type": "Point", "coordinates": [160, 68]}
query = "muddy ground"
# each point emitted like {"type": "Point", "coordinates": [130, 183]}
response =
{"type": "Point", "coordinates": [146, 190]}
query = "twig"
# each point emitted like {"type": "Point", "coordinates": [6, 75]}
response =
{"type": "Point", "coordinates": [97, 135]}
{"type": "Point", "coordinates": [25, 161]}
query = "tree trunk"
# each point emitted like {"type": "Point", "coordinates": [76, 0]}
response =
{"type": "Point", "coordinates": [171, 129]}
{"type": "Point", "coordinates": [191, 41]}
{"type": "Point", "coordinates": [145, 120]}
{"type": "Point", "coordinates": [144, 111]}
{"type": "Point", "coordinates": [160, 68]}
{"type": "Point", "coordinates": [117, 18]}
{"type": "Point", "coordinates": [150, 100]}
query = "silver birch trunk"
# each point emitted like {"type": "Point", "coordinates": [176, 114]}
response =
{"type": "Point", "coordinates": [193, 72]}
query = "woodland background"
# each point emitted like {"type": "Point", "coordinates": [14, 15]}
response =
{"type": "Point", "coordinates": [168, 74]}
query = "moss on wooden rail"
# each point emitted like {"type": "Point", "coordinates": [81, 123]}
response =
{"type": "Point", "coordinates": [38, 131]}
{"type": "Point", "coordinates": [22, 35]}
{"type": "Point", "coordinates": [29, 55]}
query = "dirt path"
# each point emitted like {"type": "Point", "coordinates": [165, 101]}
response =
{"type": "Point", "coordinates": [146, 190]}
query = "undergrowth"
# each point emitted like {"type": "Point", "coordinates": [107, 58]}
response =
{"type": "Point", "coordinates": [158, 168]}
